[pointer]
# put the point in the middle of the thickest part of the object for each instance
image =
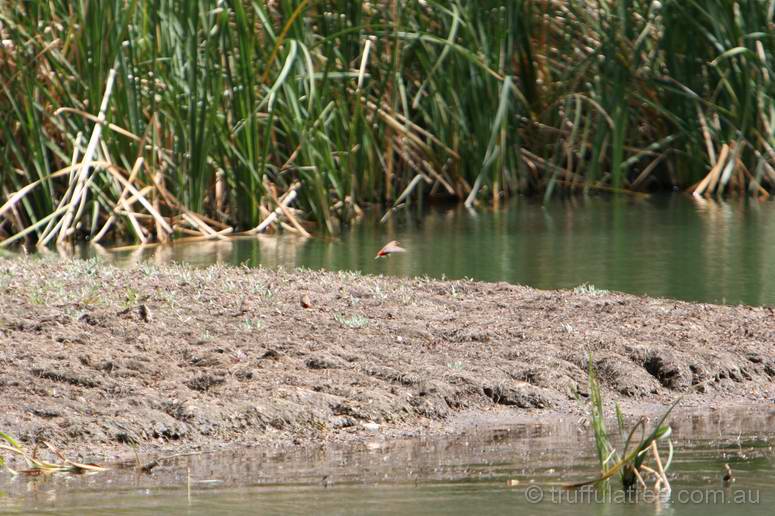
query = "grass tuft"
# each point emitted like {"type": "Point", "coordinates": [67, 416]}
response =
{"type": "Point", "coordinates": [631, 462]}
{"type": "Point", "coordinates": [354, 321]}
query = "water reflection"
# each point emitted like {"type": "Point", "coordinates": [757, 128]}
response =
{"type": "Point", "coordinates": [483, 470]}
{"type": "Point", "coordinates": [674, 246]}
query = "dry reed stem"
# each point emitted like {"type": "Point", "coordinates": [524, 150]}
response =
{"type": "Point", "coordinates": [274, 215]}
{"type": "Point", "coordinates": [89, 116]}
{"type": "Point", "coordinates": [196, 223]}
{"type": "Point", "coordinates": [703, 185]}
{"type": "Point", "coordinates": [706, 135]}
{"type": "Point", "coordinates": [658, 460]}
{"type": "Point", "coordinates": [51, 229]}
{"type": "Point", "coordinates": [140, 198]}
{"type": "Point", "coordinates": [639, 477]}
{"type": "Point", "coordinates": [287, 213]}
{"type": "Point", "coordinates": [195, 219]}
{"type": "Point", "coordinates": [21, 192]}
{"type": "Point", "coordinates": [86, 163]}
{"type": "Point", "coordinates": [32, 227]}
{"type": "Point", "coordinates": [111, 218]}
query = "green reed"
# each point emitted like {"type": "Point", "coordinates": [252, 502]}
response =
{"type": "Point", "coordinates": [629, 461]}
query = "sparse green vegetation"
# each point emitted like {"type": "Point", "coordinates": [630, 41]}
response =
{"type": "Point", "coordinates": [215, 114]}
{"type": "Point", "coordinates": [252, 324]}
{"type": "Point", "coordinates": [587, 288]}
{"type": "Point", "coordinates": [354, 321]}
{"type": "Point", "coordinates": [630, 462]}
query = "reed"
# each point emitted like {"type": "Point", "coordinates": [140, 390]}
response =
{"type": "Point", "coordinates": [218, 108]}
{"type": "Point", "coordinates": [37, 466]}
{"type": "Point", "coordinates": [630, 462]}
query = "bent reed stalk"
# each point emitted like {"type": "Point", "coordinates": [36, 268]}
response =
{"type": "Point", "coordinates": [220, 109]}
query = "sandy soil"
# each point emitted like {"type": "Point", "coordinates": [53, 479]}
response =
{"type": "Point", "coordinates": [172, 358]}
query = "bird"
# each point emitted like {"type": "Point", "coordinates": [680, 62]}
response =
{"type": "Point", "coordinates": [390, 248]}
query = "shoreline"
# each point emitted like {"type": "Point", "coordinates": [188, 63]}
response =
{"type": "Point", "coordinates": [98, 359]}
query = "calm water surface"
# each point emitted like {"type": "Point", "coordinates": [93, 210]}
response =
{"type": "Point", "coordinates": [670, 246]}
{"type": "Point", "coordinates": [466, 474]}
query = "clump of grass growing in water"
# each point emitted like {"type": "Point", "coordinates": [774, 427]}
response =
{"type": "Point", "coordinates": [631, 462]}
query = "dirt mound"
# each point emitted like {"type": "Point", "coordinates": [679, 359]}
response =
{"type": "Point", "coordinates": [95, 357]}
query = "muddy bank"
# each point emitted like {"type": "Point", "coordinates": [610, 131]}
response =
{"type": "Point", "coordinates": [96, 358]}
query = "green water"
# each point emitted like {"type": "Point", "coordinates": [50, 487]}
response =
{"type": "Point", "coordinates": [465, 474]}
{"type": "Point", "coordinates": [668, 246]}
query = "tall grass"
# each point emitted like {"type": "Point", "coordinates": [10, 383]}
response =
{"type": "Point", "coordinates": [220, 108]}
{"type": "Point", "coordinates": [630, 462]}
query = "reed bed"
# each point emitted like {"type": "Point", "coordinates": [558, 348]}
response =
{"type": "Point", "coordinates": [143, 120]}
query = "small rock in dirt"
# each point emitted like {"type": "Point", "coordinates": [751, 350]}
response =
{"type": "Point", "coordinates": [210, 360]}
{"type": "Point", "coordinates": [244, 374]}
{"type": "Point", "coordinates": [137, 365]}
{"type": "Point", "coordinates": [371, 426]}
{"type": "Point", "coordinates": [89, 319]}
{"type": "Point", "coordinates": [524, 396]}
{"type": "Point", "coordinates": [172, 432]}
{"type": "Point", "coordinates": [139, 312]}
{"type": "Point", "coordinates": [756, 358]}
{"type": "Point", "coordinates": [699, 374]}
{"type": "Point", "coordinates": [65, 377]}
{"type": "Point", "coordinates": [305, 301]}
{"type": "Point", "coordinates": [323, 361]}
{"type": "Point", "coordinates": [125, 437]}
{"type": "Point", "coordinates": [204, 382]}
{"type": "Point", "coordinates": [391, 375]}
{"type": "Point", "coordinates": [106, 365]}
{"type": "Point", "coordinates": [45, 412]}
{"type": "Point", "coordinates": [271, 354]}
{"type": "Point", "coordinates": [341, 422]}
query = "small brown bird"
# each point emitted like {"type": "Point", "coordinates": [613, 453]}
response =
{"type": "Point", "coordinates": [390, 248]}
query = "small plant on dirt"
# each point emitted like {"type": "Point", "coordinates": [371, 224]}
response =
{"type": "Point", "coordinates": [379, 293]}
{"type": "Point", "coordinates": [148, 269]}
{"type": "Point", "coordinates": [457, 366]}
{"type": "Point", "coordinates": [252, 324]}
{"type": "Point", "coordinates": [37, 297]}
{"type": "Point", "coordinates": [36, 466]}
{"type": "Point", "coordinates": [587, 288]}
{"type": "Point", "coordinates": [630, 464]}
{"type": "Point", "coordinates": [92, 296]}
{"type": "Point", "coordinates": [261, 290]}
{"type": "Point", "coordinates": [355, 321]}
{"type": "Point", "coordinates": [130, 297]}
